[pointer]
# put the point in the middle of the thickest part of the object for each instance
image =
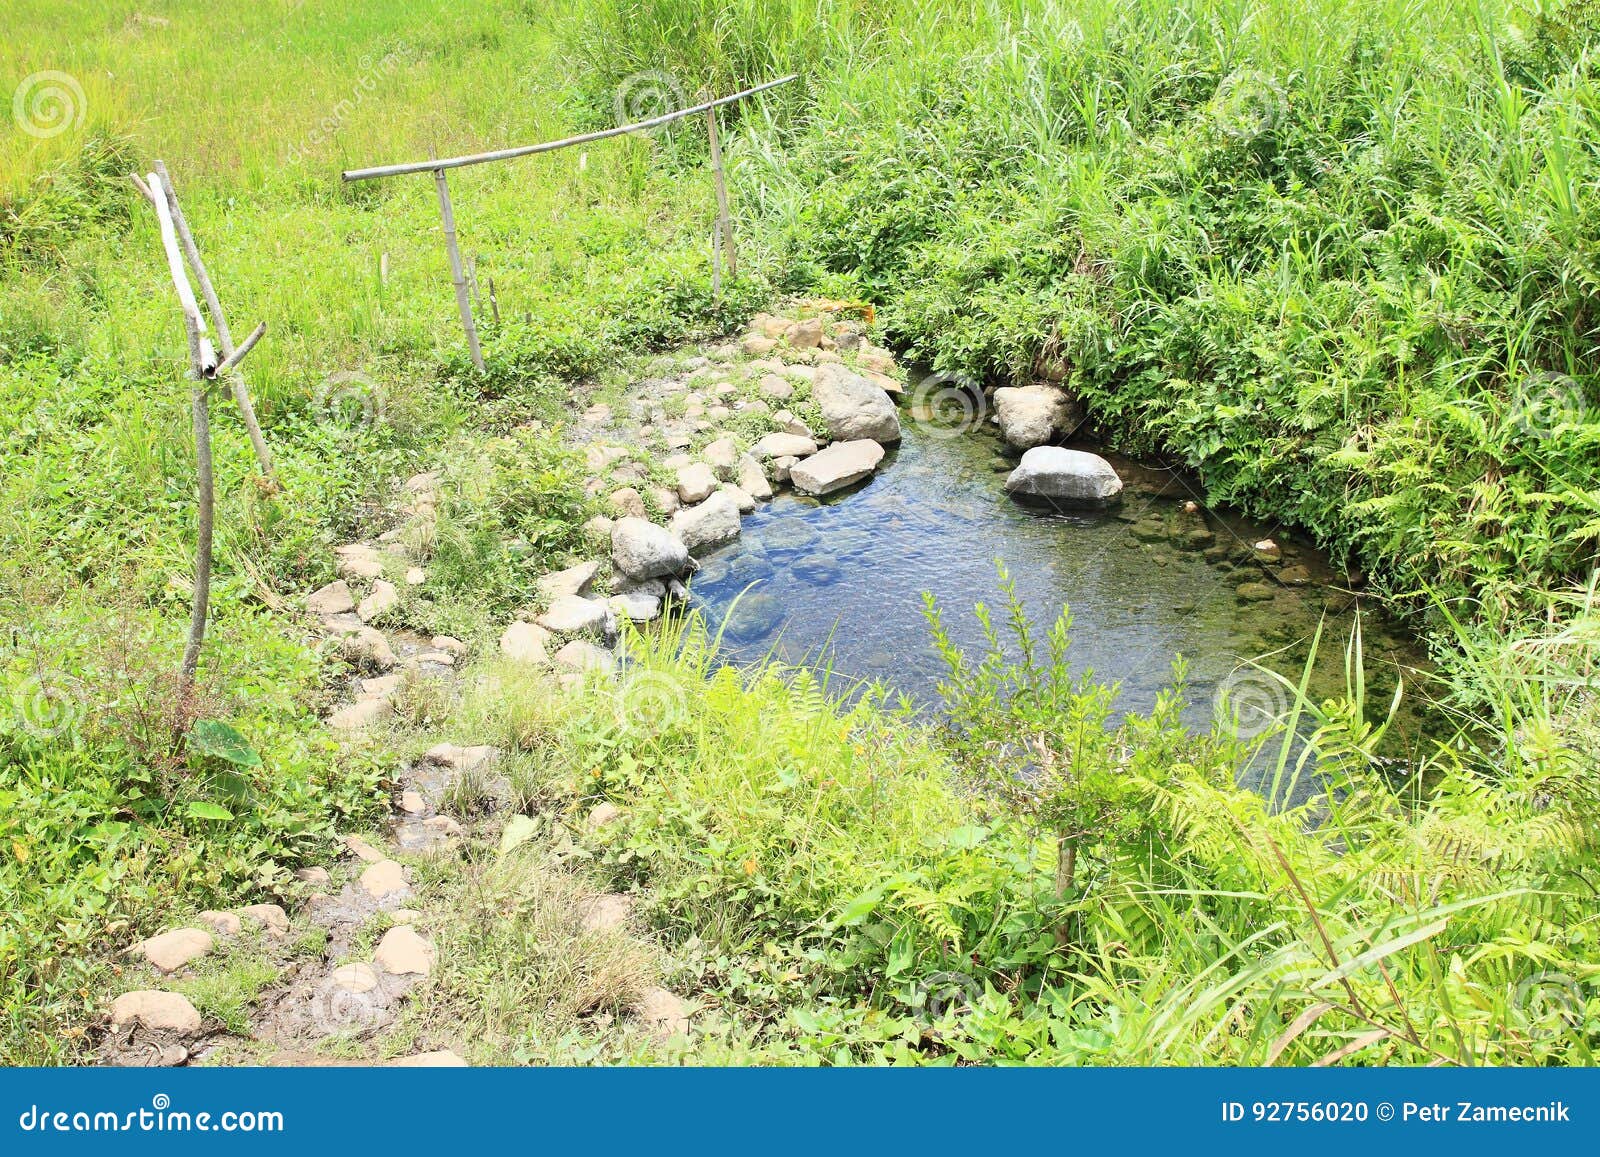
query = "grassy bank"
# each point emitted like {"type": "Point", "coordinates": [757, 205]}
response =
{"type": "Point", "coordinates": [1337, 258]}
{"type": "Point", "coordinates": [831, 888]}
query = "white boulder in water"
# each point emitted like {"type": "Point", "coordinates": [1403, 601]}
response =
{"type": "Point", "coordinates": [1062, 477]}
{"type": "Point", "coordinates": [642, 550]}
{"type": "Point", "coordinates": [709, 523]}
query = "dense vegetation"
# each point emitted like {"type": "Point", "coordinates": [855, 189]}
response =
{"type": "Point", "coordinates": [1338, 257]}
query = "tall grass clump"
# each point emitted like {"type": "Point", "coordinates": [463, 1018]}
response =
{"type": "Point", "coordinates": [843, 886]}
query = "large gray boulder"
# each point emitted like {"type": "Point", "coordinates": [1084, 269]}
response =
{"type": "Point", "coordinates": [1062, 477]}
{"type": "Point", "coordinates": [1032, 415]}
{"type": "Point", "coordinates": [643, 550]}
{"type": "Point", "coordinates": [714, 521]}
{"type": "Point", "coordinates": [853, 407]}
{"type": "Point", "coordinates": [840, 465]}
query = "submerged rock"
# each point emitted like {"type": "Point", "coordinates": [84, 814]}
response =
{"type": "Point", "coordinates": [754, 616]}
{"type": "Point", "coordinates": [818, 570]}
{"type": "Point", "coordinates": [788, 535]}
{"type": "Point", "coordinates": [1072, 478]}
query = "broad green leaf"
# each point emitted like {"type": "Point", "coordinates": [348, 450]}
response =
{"type": "Point", "coordinates": [860, 908]}
{"type": "Point", "coordinates": [966, 836]}
{"type": "Point", "coordinates": [222, 741]}
{"type": "Point", "coordinates": [201, 810]}
{"type": "Point", "coordinates": [519, 831]}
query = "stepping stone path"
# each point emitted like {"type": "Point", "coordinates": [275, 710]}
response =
{"type": "Point", "coordinates": [819, 365]}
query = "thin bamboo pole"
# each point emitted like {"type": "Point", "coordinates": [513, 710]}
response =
{"type": "Point", "coordinates": [549, 146]}
{"type": "Point", "coordinates": [724, 227]}
{"type": "Point", "coordinates": [457, 275]}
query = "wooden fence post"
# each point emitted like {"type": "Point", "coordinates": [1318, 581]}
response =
{"type": "Point", "coordinates": [724, 227]}
{"type": "Point", "coordinates": [202, 363]}
{"type": "Point", "coordinates": [457, 274]}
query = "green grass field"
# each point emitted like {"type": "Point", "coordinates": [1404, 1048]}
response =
{"type": "Point", "coordinates": [1337, 258]}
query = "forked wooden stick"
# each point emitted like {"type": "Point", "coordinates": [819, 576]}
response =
{"type": "Point", "coordinates": [241, 393]}
{"type": "Point", "coordinates": [202, 365]}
